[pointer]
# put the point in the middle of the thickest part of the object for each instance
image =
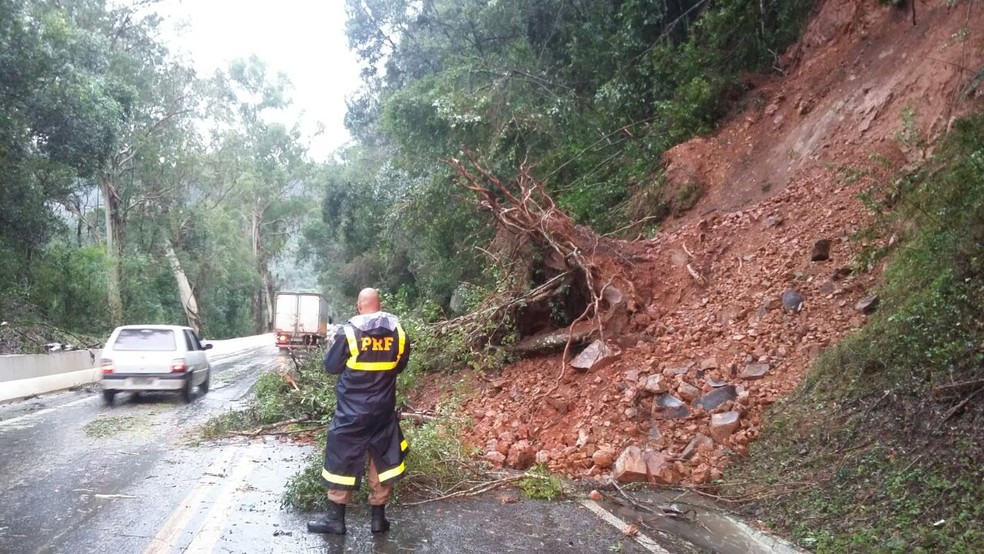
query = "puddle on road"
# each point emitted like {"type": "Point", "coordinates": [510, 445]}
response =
{"type": "Point", "coordinates": [705, 527]}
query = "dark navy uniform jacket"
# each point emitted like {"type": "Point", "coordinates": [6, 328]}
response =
{"type": "Point", "coordinates": [368, 353]}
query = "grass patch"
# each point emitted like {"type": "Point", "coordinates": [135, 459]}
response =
{"type": "Point", "coordinates": [539, 484]}
{"type": "Point", "coordinates": [879, 450]}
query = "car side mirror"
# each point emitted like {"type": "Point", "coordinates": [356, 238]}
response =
{"type": "Point", "coordinates": [207, 346]}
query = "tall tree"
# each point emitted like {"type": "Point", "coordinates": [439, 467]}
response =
{"type": "Point", "coordinates": [162, 104]}
{"type": "Point", "coordinates": [271, 174]}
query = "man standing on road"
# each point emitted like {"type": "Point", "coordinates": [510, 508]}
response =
{"type": "Point", "coordinates": [368, 353]}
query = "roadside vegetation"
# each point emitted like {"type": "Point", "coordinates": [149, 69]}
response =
{"type": "Point", "coordinates": [879, 450]}
{"type": "Point", "coordinates": [439, 465]}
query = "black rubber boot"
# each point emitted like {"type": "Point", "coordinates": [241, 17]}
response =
{"type": "Point", "coordinates": [333, 523]}
{"type": "Point", "coordinates": [379, 522]}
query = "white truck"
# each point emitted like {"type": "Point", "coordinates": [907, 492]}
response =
{"type": "Point", "coordinates": [300, 319]}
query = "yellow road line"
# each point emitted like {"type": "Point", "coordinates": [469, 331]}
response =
{"type": "Point", "coordinates": [168, 535]}
{"type": "Point", "coordinates": [218, 515]}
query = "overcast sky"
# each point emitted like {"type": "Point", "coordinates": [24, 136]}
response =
{"type": "Point", "coordinates": [305, 39]}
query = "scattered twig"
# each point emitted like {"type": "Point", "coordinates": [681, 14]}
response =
{"type": "Point", "coordinates": [422, 417]}
{"type": "Point", "coordinates": [697, 276]}
{"type": "Point", "coordinates": [264, 430]}
{"type": "Point", "coordinates": [295, 431]}
{"type": "Point", "coordinates": [960, 385]}
{"type": "Point", "coordinates": [476, 490]}
{"type": "Point", "coordinates": [290, 380]}
{"type": "Point", "coordinates": [880, 400]}
{"type": "Point", "coordinates": [631, 500]}
{"type": "Point", "coordinates": [631, 225]}
{"type": "Point", "coordinates": [953, 411]}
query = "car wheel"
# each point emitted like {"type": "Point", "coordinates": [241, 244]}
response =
{"type": "Point", "coordinates": [108, 396]}
{"type": "Point", "coordinates": [186, 391]}
{"type": "Point", "coordinates": [205, 384]}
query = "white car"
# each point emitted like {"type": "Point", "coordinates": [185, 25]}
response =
{"type": "Point", "coordinates": [154, 358]}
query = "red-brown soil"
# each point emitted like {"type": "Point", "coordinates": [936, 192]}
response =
{"type": "Point", "coordinates": [778, 176]}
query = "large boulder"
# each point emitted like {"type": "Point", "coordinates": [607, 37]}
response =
{"type": "Point", "coordinates": [723, 425]}
{"type": "Point", "coordinates": [637, 465]}
{"type": "Point", "coordinates": [596, 356]}
{"type": "Point", "coordinates": [716, 397]}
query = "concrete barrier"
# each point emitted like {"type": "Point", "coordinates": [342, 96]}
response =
{"type": "Point", "coordinates": [26, 366]}
{"type": "Point", "coordinates": [30, 374]}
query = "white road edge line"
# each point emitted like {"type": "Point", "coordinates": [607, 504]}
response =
{"type": "Point", "coordinates": [611, 519]}
{"type": "Point", "coordinates": [46, 411]}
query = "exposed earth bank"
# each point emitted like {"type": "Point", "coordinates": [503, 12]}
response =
{"type": "Point", "coordinates": [765, 272]}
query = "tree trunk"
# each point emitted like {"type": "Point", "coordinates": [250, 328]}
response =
{"type": "Point", "coordinates": [262, 303]}
{"type": "Point", "coordinates": [188, 301]}
{"type": "Point", "coordinates": [114, 297]}
{"type": "Point", "coordinates": [267, 302]}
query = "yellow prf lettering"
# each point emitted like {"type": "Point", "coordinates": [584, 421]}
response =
{"type": "Point", "coordinates": [377, 344]}
{"type": "Point", "coordinates": [388, 343]}
{"type": "Point", "coordinates": [366, 341]}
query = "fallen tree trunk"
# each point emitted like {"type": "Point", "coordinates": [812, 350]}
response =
{"type": "Point", "coordinates": [550, 262]}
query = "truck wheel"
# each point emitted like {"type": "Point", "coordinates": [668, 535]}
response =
{"type": "Point", "coordinates": [108, 396]}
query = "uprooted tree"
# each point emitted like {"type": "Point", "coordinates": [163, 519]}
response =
{"type": "Point", "coordinates": [551, 265]}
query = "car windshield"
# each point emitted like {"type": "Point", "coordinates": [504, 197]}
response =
{"type": "Point", "coordinates": [145, 339]}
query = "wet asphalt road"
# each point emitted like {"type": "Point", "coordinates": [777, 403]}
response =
{"type": "Point", "coordinates": [77, 476]}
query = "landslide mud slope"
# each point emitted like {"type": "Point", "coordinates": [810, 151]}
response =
{"type": "Point", "coordinates": [865, 94]}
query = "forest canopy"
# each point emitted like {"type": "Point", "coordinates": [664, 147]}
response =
{"type": "Point", "coordinates": [136, 189]}
{"type": "Point", "coordinates": [586, 95]}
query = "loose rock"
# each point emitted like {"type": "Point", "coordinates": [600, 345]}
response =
{"type": "Point", "coordinates": [596, 356]}
{"type": "Point", "coordinates": [603, 458]}
{"type": "Point", "coordinates": [496, 458]}
{"type": "Point", "coordinates": [670, 407]}
{"type": "Point", "coordinates": [868, 304]}
{"type": "Point", "coordinates": [716, 397]}
{"type": "Point", "coordinates": [695, 444]}
{"type": "Point", "coordinates": [521, 455]}
{"type": "Point", "coordinates": [792, 301]}
{"type": "Point", "coordinates": [754, 371]}
{"type": "Point", "coordinates": [723, 425]}
{"type": "Point", "coordinates": [821, 251]}
{"type": "Point", "coordinates": [688, 392]}
{"type": "Point", "coordinates": [655, 384]}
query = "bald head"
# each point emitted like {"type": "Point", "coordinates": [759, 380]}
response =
{"type": "Point", "coordinates": [368, 301]}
